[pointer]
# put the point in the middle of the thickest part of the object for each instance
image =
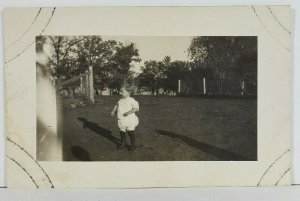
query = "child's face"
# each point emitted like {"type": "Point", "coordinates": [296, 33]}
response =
{"type": "Point", "coordinates": [124, 93]}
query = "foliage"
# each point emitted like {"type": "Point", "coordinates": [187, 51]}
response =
{"type": "Point", "coordinates": [221, 56]}
{"type": "Point", "coordinates": [152, 76]}
{"type": "Point", "coordinates": [225, 62]}
{"type": "Point", "coordinates": [61, 60]}
{"type": "Point", "coordinates": [111, 61]}
{"type": "Point", "coordinates": [95, 52]}
{"type": "Point", "coordinates": [122, 62]}
{"type": "Point", "coordinates": [163, 74]}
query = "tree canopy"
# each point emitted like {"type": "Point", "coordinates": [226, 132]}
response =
{"type": "Point", "coordinates": [111, 60]}
{"type": "Point", "coordinates": [219, 57]}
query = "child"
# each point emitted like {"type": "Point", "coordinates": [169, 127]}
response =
{"type": "Point", "coordinates": [127, 120]}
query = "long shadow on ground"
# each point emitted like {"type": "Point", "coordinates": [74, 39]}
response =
{"type": "Point", "coordinates": [80, 153]}
{"type": "Point", "coordinates": [99, 130]}
{"type": "Point", "coordinates": [221, 154]}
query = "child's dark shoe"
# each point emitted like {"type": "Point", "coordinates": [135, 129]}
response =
{"type": "Point", "coordinates": [132, 148]}
{"type": "Point", "coordinates": [122, 146]}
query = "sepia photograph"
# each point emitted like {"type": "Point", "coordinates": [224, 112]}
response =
{"type": "Point", "coordinates": [147, 98]}
{"type": "Point", "coordinates": [176, 96]}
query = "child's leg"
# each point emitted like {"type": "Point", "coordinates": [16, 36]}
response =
{"type": "Point", "coordinates": [132, 139]}
{"type": "Point", "coordinates": [123, 139]}
{"type": "Point", "coordinates": [122, 133]}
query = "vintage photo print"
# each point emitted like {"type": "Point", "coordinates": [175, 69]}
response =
{"type": "Point", "coordinates": [143, 98]}
{"type": "Point", "coordinates": [136, 97]}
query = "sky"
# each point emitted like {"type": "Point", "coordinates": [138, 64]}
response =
{"type": "Point", "coordinates": [156, 47]}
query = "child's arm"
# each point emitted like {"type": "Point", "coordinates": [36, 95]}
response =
{"type": "Point", "coordinates": [134, 110]}
{"type": "Point", "coordinates": [114, 111]}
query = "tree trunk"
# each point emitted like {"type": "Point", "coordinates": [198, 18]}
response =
{"type": "Point", "coordinates": [153, 90]}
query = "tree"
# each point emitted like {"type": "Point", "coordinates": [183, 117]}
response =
{"type": "Point", "coordinates": [177, 70]}
{"type": "Point", "coordinates": [152, 76]}
{"type": "Point", "coordinates": [62, 46]}
{"type": "Point", "coordinates": [220, 55]}
{"type": "Point", "coordinates": [166, 61]}
{"type": "Point", "coordinates": [95, 52]}
{"type": "Point", "coordinates": [122, 62]}
{"type": "Point", "coordinates": [163, 74]}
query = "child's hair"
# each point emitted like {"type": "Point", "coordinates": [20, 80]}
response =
{"type": "Point", "coordinates": [128, 88]}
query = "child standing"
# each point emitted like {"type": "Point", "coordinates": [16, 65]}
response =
{"type": "Point", "coordinates": [127, 119]}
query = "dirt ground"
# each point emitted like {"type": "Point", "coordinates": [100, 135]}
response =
{"type": "Point", "coordinates": [171, 128]}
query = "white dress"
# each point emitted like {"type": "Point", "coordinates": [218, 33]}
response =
{"type": "Point", "coordinates": [131, 121]}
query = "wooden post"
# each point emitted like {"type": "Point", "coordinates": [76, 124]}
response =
{"type": "Point", "coordinates": [204, 86]}
{"type": "Point", "coordinates": [179, 86]}
{"type": "Point", "coordinates": [243, 87]}
{"type": "Point", "coordinates": [91, 85]}
{"type": "Point", "coordinates": [81, 85]}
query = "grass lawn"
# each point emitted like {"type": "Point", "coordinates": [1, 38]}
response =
{"type": "Point", "coordinates": [171, 128]}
